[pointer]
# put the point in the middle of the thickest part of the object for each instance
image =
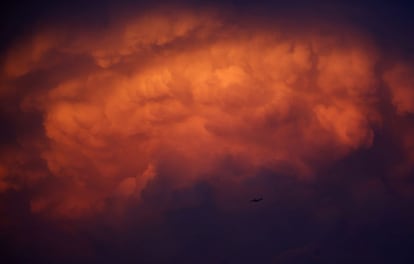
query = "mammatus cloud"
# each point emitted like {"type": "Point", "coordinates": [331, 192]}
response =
{"type": "Point", "coordinates": [176, 93]}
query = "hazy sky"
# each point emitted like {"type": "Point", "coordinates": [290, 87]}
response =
{"type": "Point", "coordinates": [139, 132]}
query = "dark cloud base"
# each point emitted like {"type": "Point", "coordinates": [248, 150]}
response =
{"type": "Point", "coordinates": [338, 218]}
{"type": "Point", "coordinates": [318, 222]}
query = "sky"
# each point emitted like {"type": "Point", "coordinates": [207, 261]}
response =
{"type": "Point", "coordinates": [139, 132]}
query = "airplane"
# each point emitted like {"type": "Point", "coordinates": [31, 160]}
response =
{"type": "Point", "coordinates": [255, 200]}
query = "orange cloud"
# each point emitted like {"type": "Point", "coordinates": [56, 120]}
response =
{"type": "Point", "coordinates": [401, 81]}
{"type": "Point", "coordinates": [187, 89]}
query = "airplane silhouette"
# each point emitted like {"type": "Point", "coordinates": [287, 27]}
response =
{"type": "Point", "coordinates": [255, 200]}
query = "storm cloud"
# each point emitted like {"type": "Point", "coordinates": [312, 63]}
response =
{"type": "Point", "coordinates": [150, 130]}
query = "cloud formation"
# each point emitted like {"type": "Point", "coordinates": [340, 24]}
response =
{"type": "Point", "coordinates": [143, 137]}
{"type": "Point", "coordinates": [184, 91]}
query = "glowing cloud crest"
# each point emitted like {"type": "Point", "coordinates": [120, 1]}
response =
{"type": "Point", "coordinates": [181, 92]}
